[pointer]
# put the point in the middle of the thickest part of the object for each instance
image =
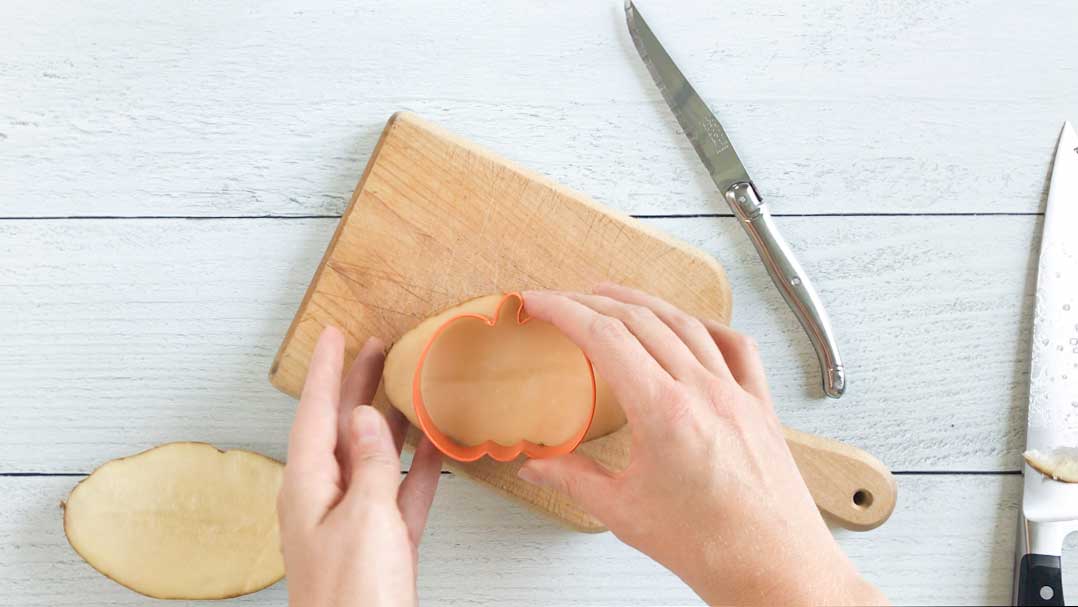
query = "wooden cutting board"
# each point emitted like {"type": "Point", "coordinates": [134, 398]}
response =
{"type": "Point", "coordinates": [436, 220]}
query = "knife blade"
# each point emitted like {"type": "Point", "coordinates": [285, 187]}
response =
{"type": "Point", "coordinates": [712, 145]}
{"type": "Point", "coordinates": [1050, 507]}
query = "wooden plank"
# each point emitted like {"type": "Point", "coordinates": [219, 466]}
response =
{"type": "Point", "coordinates": [203, 109]}
{"type": "Point", "coordinates": [119, 335]}
{"type": "Point", "coordinates": [949, 542]}
{"type": "Point", "coordinates": [437, 220]}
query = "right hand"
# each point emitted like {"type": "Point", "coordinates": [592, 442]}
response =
{"type": "Point", "coordinates": [711, 491]}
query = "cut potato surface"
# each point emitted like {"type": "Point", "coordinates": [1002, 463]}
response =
{"type": "Point", "coordinates": [506, 379]}
{"type": "Point", "coordinates": [535, 370]}
{"type": "Point", "coordinates": [181, 521]}
{"type": "Point", "coordinates": [1060, 464]}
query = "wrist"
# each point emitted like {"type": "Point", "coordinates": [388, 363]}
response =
{"type": "Point", "coordinates": [783, 576]}
{"type": "Point", "coordinates": [833, 582]}
{"type": "Point", "coordinates": [864, 592]}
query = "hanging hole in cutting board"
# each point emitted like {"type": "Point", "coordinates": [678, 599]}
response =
{"type": "Point", "coordinates": [862, 499]}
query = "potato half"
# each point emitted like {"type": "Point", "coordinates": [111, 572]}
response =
{"type": "Point", "coordinates": [400, 367]}
{"type": "Point", "coordinates": [181, 521]}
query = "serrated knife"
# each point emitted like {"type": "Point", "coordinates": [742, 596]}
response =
{"type": "Point", "coordinates": [718, 155]}
{"type": "Point", "coordinates": [1049, 507]}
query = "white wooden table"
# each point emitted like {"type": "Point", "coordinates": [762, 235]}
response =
{"type": "Point", "coordinates": [171, 172]}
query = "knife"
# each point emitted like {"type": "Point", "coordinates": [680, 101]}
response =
{"type": "Point", "coordinates": [714, 149]}
{"type": "Point", "coordinates": [1049, 507]}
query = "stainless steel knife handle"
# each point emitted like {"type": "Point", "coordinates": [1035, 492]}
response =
{"type": "Point", "coordinates": [791, 281]}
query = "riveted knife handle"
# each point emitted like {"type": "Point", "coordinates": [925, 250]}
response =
{"type": "Point", "coordinates": [1038, 574]}
{"type": "Point", "coordinates": [791, 281]}
{"type": "Point", "coordinates": [1040, 580]}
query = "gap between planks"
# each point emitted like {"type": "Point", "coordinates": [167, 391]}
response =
{"type": "Point", "coordinates": [634, 216]}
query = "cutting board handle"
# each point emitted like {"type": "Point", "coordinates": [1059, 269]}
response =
{"type": "Point", "coordinates": [850, 487]}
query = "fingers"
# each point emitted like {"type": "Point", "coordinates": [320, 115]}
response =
{"type": "Point", "coordinates": [581, 478]}
{"type": "Point", "coordinates": [742, 357]}
{"type": "Point", "coordinates": [375, 463]}
{"type": "Point", "coordinates": [398, 427]}
{"type": "Point", "coordinates": [634, 376]}
{"type": "Point", "coordinates": [417, 491]}
{"type": "Point", "coordinates": [720, 349]}
{"type": "Point", "coordinates": [312, 473]}
{"type": "Point", "coordinates": [606, 341]}
{"type": "Point", "coordinates": [358, 389]}
{"type": "Point", "coordinates": [656, 336]}
{"type": "Point", "coordinates": [688, 328]}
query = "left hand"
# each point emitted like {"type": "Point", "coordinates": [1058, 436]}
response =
{"type": "Point", "coordinates": [350, 529]}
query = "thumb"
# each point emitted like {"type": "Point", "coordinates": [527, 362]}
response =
{"type": "Point", "coordinates": [581, 478]}
{"type": "Point", "coordinates": [375, 465]}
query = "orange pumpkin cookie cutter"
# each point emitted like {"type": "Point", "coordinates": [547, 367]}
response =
{"type": "Point", "coordinates": [497, 451]}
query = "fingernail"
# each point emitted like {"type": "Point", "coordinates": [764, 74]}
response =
{"type": "Point", "coordinates": [528, 475]}
{"type": "Point", "coordinates": [367, 423]}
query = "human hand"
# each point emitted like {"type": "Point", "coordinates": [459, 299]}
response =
{"type": "Point", "coordinates": [349, 527]}
{"type": "Point", "coordinates": [711, 490]}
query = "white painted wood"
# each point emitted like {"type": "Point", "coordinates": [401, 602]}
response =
{"type": "Point", "coordinates": [239, 108]}
{"type": "Point", "coordinates": [118, 335]}
{"type": "Point", "coordinates": [950, 541]}
{"type": "Point", "coordinates": [122, 334]}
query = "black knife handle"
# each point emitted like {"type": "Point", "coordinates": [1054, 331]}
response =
{"type": "Point", "coordinates": [1040, 580]}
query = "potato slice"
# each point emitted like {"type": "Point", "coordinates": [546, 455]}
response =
{"type": "Point", "coordinates": [400, 366]}
{"type": "Point", "coordinates": [1060, 464]}
{"type": "Point", "coordinates": [181, 521]}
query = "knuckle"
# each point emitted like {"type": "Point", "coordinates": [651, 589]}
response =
{"type": "Point", "coordinates": [640, 314]}
{"type": "Point", "coordinates": [607, 329]}
{"type": "Point", "coordinates": [679, 409]}
{"type": "Point", "coordinates": [746, 343]}
{"type": "Point", "coordinates": [720, 393]}
{"type": "Point", "coordinates": [728, 402]}
{"type": "Point", "coordinates": [675, 402]}
{"type": "Point", "coordinates": [569, 485]}
{"type": "Point", "coordinates": [691, 322]}
{"type": "Point", "coordinates": [377, 459]}
{"type": "Point", "coordinates": [578, 489]}
{"type": "Point", "coordinates": [684, 324]}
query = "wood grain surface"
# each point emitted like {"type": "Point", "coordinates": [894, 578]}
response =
{"type": "Point", "coordinates": [437, 220]}
{"type": "Point", "coordinates": [915, 137]}
{"type": "Point", "coordinates": [851, 488]}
